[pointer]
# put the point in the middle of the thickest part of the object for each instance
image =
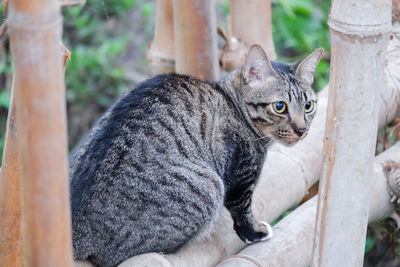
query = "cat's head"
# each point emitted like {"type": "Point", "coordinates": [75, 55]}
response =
{"type": "Point", "coordinates": [278, 96]}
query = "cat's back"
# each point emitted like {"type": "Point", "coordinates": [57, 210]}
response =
{"type": "Point", "coordinates": [148, 112]}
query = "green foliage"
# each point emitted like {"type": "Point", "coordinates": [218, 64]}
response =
{"type": "Point", "coordinates": [369, 243]}
{"type": "Point", "coordinates": [5, 99]}
{"type": "Point", "coordinates": [283, 215]}
{"type": "Point", "coordinates": [147, 9]}
{"type": "Point", "coordinates": [299, 27]}
{"type": "Point", "coordinates": [5, 72]}
{"type": "Point", "coordinates": [95, 44]}
{"type": "Point", "coordinates": [224, 7]}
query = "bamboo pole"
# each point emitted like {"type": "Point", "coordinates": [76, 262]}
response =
{"type": "Point", "coordinates": [35, 36]}
{"type": "Point", "coordinates": [195, 33]}
{"type": "Point", "coordinates": [293, 240]}
{"type": "Point", "coordinates": [358, 50]}
{"type": "Point", "coordinates": [10, 203]}
{"type": "Point", "coordinates": [160, 53]}
{"type": "Point", "coordinates": [251, 22]}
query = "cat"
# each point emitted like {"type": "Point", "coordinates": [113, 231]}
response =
{"type": "Point", "coordinates": [160, 164]}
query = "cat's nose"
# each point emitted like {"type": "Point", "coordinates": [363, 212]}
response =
{"type": "Point", "coordinates": [299, 131]}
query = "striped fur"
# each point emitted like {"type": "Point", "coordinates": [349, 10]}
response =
{"type": "Point", "coordinates": [158, 167]}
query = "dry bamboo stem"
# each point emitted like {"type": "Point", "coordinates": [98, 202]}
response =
{"type": "Point", "coordinates": [161, 52]}
{"type": "Point", "coordinates": [10, 203]}
{"type": "Point", "coordinates": [195, 31]}
{"type": "Point", "coordinates": [251, 22]}
{"type": "Point", "coordinates": [35, 36]}
{"type": "Point", "coordinates": [293, 239]}
{"type": "Point", "coordinates": [358, 50]}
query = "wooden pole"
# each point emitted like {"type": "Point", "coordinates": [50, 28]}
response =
{"type": "Point", "coordinates": [359, 34]}
{"type": "Point", "coordinates": [251, 22]}
{"type": "Point", "coordinates": [161, 52]}
{"type": "Point", "coordinates": [10, 203]}
{"type": "Point", "coordinates": [35, 36]}
{"type": "Point", "coordinates": [195, 31]}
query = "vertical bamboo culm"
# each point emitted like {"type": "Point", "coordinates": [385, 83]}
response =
{"type": "Point", "coordinates": [161, 51]}
{"type": "Point", "coordinates": [10, 203]}
{"type": "Point", "coordinates": [251, 22]}
{"type": "Point", "coordinates": [35, 37]}
{"type": "Point", "coordinates": [195, 32]}
{"type": "Point", "coordinates": [359, 33]}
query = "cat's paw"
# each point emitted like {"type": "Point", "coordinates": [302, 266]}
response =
{"type": "Point", "coordinates": [260, 232]}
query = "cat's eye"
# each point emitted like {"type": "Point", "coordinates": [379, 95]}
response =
{"type": "Point", "coordinates": [309, 107]}
{"type": "Point", "coordinates": [279, 107]}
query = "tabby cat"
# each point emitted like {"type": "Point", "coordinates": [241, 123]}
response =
{"type": "Point", "coordinates": [160, 164]}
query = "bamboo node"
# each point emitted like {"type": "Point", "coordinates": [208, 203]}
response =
{"type": "Point", "coordinates": [360, 30]}
{"type": "Point", "coordinates": [160, 63]}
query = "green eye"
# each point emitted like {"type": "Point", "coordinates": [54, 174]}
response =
{"type": "Point", "coordinates": [309, 106]}
{"type": "Point", "coordinates": [279, 107]}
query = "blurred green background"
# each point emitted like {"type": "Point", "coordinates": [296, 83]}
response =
{"type": "Point", "coordinates": [108, 41]}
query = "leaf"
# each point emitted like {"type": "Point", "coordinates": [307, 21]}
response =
{"type": "Point", "coordinates": [5, 99]}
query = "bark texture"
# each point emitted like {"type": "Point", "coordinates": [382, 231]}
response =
{"type": "Point", "coordinates": [10, 203]}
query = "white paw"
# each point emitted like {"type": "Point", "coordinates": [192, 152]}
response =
{"type": "Point", "coordinates": [269, 229]}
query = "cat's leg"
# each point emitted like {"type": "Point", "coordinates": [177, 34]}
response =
{"type": "Point", "coordinates": [238, 202]}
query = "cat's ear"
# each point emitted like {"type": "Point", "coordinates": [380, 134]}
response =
{"type": "Point", "coordinates": [306, 67]}
{"type": "Point", "coordinates": [257, 66]}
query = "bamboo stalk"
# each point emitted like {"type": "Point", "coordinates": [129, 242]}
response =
{"type": "Point", "coordinates": [351, 130]}
{"type": "Point", "coordinates": [195, 33]}
{"type": "Point", "coordinates": [10, 203]}
{"type": "Point", "coordinates": [35, 36]}
{"type": "Point", "coordinates": [160, 53]}
{"type": "Point", "coordinates": [251, 22]}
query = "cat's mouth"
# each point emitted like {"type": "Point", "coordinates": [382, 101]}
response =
{"type": "Point", "coordinates": [288, 138]}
